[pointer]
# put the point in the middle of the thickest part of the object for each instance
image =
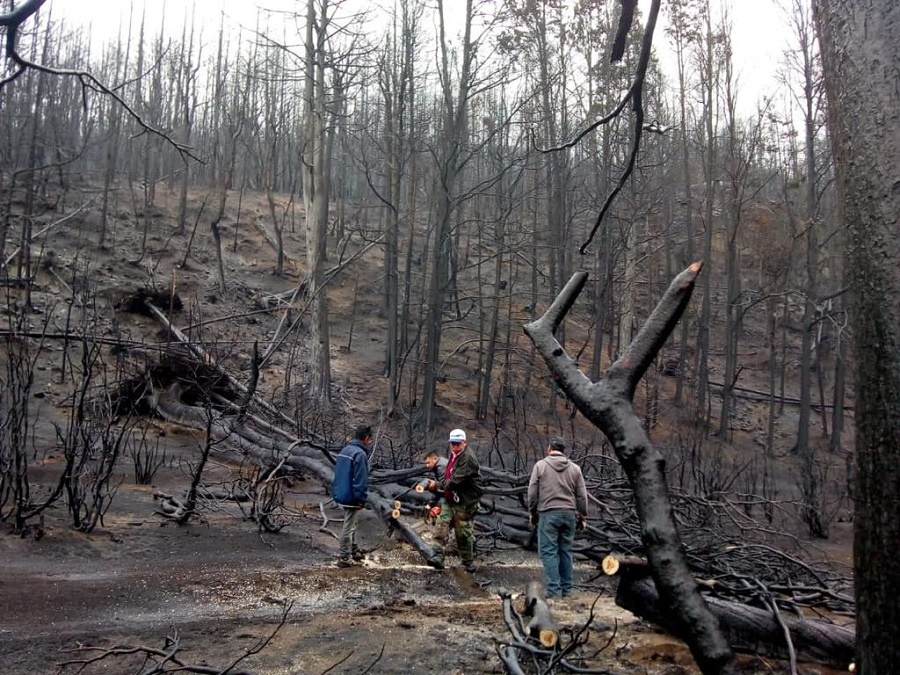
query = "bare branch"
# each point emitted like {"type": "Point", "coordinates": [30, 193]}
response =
{"type": "Point", "coordinates": [638, 356]}
{"type": "Point", "coordinates": [13, 19]}
{"type": "Point", "coordinates": [635, 94]}
{"type": "Point", "coordinates": [16, 16]}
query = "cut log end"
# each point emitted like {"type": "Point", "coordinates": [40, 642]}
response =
{"type": "Point", "coordinates": [542, 625]}
{"type": "Point", "coordinates": [395, 514]}
{"type": "Point", "coordinates": [610, 565]}
{"type": "Point", "coordinates": [618, 564]}
{"type": "Point", "coordinates": [548, 637]}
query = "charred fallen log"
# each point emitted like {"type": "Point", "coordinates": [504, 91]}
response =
{"type": "Point", "coordinates": [543, 645]}
{"type": "Point", "coordinates": [385, 508]}
{"type": "Point", "coordinates": [297, 454]}
{"type": "Point", "coordinates": [748, 629]}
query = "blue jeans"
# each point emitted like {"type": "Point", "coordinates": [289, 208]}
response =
{"type": "Point", "coordinates": [556, 532]}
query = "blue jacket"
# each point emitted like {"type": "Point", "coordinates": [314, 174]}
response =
{"type": "Point", "coordinates": [350, 486]}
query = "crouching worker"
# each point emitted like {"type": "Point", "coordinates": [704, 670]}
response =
{"type": "Point", "coordinates": [350, 489]}
{"type": "Point", "coordinates": [462, 489]}
{"type": "Point", "coordinates": [436, 467]}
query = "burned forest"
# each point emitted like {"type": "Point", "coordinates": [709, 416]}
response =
{"type": "Point", "coordinates": [229, 240]}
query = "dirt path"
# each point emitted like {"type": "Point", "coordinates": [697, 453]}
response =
{"type": "Point", "coordinates": [221, 587]}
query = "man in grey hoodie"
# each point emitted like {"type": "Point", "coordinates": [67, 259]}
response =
{"type": "Point", "coordinates": [557, 499]}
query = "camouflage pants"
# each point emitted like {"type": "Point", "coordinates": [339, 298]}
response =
{"type": "Point", "coordinates": [462, 520]}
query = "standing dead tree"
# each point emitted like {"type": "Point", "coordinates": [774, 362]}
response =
{"type": "Point", "coordinates": [608, 405]}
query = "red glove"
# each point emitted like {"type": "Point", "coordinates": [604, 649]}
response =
{"type": "Point", "coordinates": [434, 511]}
{"type": "Point", "coordinates": [431, 486]}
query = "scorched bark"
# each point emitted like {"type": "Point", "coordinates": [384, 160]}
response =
{"type": "Point", "coordinates": [607, 404]}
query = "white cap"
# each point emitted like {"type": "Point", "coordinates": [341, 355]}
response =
{"type": "Point", "coordinates": [457, 435]}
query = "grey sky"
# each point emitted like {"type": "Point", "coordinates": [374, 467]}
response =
{"type": "Point", "coordinates": [760, 33]}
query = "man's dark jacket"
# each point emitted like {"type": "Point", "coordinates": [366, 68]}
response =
{"type": "Point", "coordinates": [464, 488]}
{"type": "Point", "coordinates": [350, 486]}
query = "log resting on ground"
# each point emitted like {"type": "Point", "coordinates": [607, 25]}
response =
{"type": "Point", "coordinates": [542, 624]}
{"type": "Point", "coordinates": [384, 506]}
{"type": "Point", "coordinates": [748, 629]}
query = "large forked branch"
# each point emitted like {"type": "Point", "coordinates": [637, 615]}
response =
{"type": "Point", "coordinates": [608, 405]}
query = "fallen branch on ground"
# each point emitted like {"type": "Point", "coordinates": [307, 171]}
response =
{"type": "Point", "coordinates": [749, 630]}
{"type": "Point", "coordinates": [155, 661]}
{"type": "Point", "coordinates": [542, 625]}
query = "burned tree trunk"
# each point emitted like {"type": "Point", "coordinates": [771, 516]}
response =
{"type": "Point", "coordinates": [390, 514]}
{"type": "Point", "coordinates": [607, 404]}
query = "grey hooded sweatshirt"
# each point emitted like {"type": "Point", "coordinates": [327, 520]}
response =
{"type": "Point", "coordinates": [557, 483]}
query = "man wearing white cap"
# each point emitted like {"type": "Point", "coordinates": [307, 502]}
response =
{"type": "Point", "coordinates": [461, 487]}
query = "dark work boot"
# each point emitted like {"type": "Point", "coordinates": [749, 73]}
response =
{"type": "Point", "coordinates": [437, 561]}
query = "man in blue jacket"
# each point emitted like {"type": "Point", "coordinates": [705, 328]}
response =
{"type": "Point", "coordinates": [350, 489]}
